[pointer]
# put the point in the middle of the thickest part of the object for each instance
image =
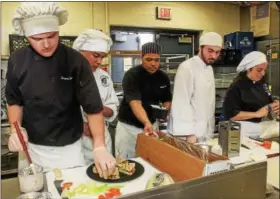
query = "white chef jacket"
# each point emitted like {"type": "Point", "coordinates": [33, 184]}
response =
{"type": "Point", "coordinates": [109, 99]}
{"type": "Point", "coordinates": [107, 93]}
{"type": "Point", "coordinates": [193, 103]}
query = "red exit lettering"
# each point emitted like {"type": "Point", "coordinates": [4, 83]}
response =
{"type": "Point", "coordinates": [165, 12]}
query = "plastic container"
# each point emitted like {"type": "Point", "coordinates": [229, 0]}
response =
{"type": "Point", "coordinates": [243, 41]}
{"type": "Point", "coordinates": [29, 182]}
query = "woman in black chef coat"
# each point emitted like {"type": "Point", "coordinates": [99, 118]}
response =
{"type": "Point", "coordinates": [248, 98]}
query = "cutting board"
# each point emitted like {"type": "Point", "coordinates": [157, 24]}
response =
{"type": "Point", "coordinates": [78, 176]}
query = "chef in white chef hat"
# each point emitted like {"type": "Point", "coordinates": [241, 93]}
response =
{"type": "Point", "coordinates": [211, 39]}
{"type": "Point", "coordinates": [251, 60]}
{"type": "Point", "coordinates": [93, 40]}
{"type": "Point", "coordinates": [51, 132]}
{"type": "Point", "coordinates": [39, 22]}
{"type": "Point", "coordinates": [193, 103]}
{"type": "Point", "coordinates": [33, 18]}
{"type": "Point", "coordinates": [94, 45]}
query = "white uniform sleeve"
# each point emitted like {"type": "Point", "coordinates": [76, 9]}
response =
{"type": "Point", "coordinates": [111, 101]}
{"type": "Point", "coordinates": [84, 114]}
{"type": "Point", "coordinates": [182, 121]}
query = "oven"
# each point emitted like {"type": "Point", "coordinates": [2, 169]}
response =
{"type": "Point", "coordinates": [9, 160]}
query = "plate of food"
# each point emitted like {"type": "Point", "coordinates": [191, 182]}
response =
{"type": "Point", "coordinates": [126, 170]}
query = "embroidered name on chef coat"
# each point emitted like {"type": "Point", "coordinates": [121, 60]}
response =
{"type": "Point", "coordinates": [104, 81]}
{"type": "Point", "coordinates": [66, 78]}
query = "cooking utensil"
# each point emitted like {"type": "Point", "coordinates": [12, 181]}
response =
{"type": "Point", "coordinates": [205, 147]}
{"type": "Point", "coordinates": [24, 147]}
{"type": "Point", "coordinates": [58, 180]}
{"type": "Point", "coordinates": [31, 182]}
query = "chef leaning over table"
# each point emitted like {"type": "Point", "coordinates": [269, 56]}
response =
{"type": "Point", "coordinates": [248, 98]}
{"type": "Point", "coordinates": [193, 103]}
{"type": "Point", "coordinates": [143, 86]}
{"type": "Point", "coordinates": [46, 84]}
{"type": "Point", "coordinates": [94, 45]}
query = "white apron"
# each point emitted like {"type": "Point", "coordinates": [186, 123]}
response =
{"type": "Point", "coordinates": [125, 141]}
{"type": "Point", "coordinates": [50, 157]}
{"type": "Point", "coordinates": [256, 129]}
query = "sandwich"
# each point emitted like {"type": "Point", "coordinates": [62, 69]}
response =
{"type": "Point", "coordinates": [126, 167]}
{"type": "Point", "coordinates": [114, 176]}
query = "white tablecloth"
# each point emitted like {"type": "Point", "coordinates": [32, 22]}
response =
{"type": "Point", "coordinates": [79, 176]}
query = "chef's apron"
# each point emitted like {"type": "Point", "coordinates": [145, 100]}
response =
{"type": "Point", "coordinates": [50, 157]}
{"type": "Point", "coordinates": [88, 145]}
{"type": "Point", "coordinates": [255, 129]}
{"type": "Point", "coordinates": [126, 137]}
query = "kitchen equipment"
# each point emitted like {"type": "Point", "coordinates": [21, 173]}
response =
{"type": "Point", "coordinates": [139, 170]}
{"type": "Point", "coordinates": [160, 114]}
{"type": "Point", "coordinates": [58, 180]}
{"type": "Point", "coordinates": [176, 155]}
{"type": "Point", "coordinates": [9, 162]}
{"type": "Point", "coordinates": [158, 180]}
{"type": "Point", "coordinates": [204, 146]}
{"type": "Point", "coordinates": [35, 195]}
{"type": "Point", "coordinates": [229, 138]}
{"type": "Point", "coordinates": [243, 41]}
{"type": "Point", "coordinates": [217, 167]}
{"type": "Point", "coordinates": [31, 182]}
{"type": "Point", "coordinates": [24, 147]}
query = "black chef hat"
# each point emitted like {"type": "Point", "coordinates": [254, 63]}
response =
{"type": "Point", "coordinates": [151, 48]}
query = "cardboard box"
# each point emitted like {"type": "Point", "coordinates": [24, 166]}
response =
{"type": "Point", "coordinates": [169, 158]}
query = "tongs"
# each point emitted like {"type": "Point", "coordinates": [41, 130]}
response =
{"type": "Point", "coordinates": [20, 136]}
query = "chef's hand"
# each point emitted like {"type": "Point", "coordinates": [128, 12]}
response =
{"type": "Point", "coordinates": [148, 128]}
{"type": "Point", "coordinates": [86, 129]}
{"type": "Point", "coordinates": [14, 143]}
{"type": "Point", "coordinates": [262, 112]}
{"type": "Point", "coordinates": [191, 139]}
{"type": "Point", "coordinates": [105, 163]}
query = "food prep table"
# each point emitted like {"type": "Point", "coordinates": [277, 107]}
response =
{"type": "Point", "coordinates": [247, 178]}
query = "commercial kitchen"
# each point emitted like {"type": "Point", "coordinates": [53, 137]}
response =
{"type": "Point", "coordinates": [231, 163]}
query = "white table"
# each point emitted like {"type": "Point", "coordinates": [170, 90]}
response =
{"type": "Point", "coordinates": [79, 176]}
{"type": "Point", "coordinates": [272, 165]}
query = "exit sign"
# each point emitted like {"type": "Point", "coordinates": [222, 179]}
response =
{"type": "Point", "coordinates": [163, 13]}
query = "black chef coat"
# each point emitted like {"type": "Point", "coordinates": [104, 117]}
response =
{"type": "Point", "coordinates": [246, 95]}
{"type": "Point", "coordinates": [149, 88]}
{"type": "Point", "coordinates": [51, 90]}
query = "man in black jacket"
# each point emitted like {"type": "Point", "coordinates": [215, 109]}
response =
{"type": "Point", "coordinates": [46, 84]}
{"type": "Point", "coordinates": [143, 86]}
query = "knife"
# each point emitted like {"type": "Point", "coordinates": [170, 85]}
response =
{"type": "Point", "coordinates": [58, 180]}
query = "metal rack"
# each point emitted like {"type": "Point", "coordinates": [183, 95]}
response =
{"type": "Point", "coordinates": [223, 81]}
{"type": "Point", "coordinates": [17, 41]}
{"type": "Point", "coordinates": [168, 62]}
